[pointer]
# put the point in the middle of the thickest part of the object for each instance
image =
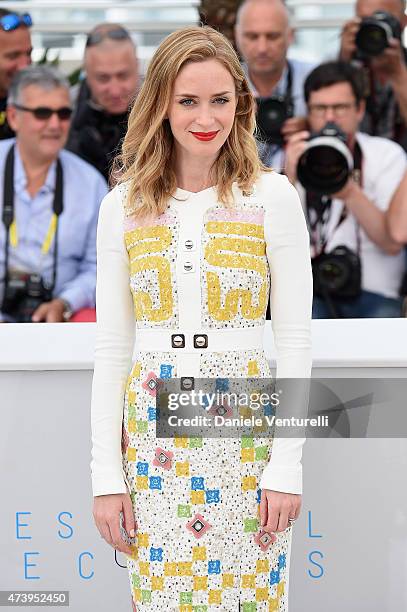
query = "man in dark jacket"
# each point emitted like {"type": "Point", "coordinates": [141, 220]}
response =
{"type": "Point", "coordinates": [15, 54]}
{"type": "Point", "coordinates": [105, 96]}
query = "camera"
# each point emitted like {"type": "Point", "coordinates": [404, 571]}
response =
{"type": "Point", "coordinates": [24, 292]}
{"type": "Point", "coordinates": [327, 163]}
{"type": "Point", "coordinates": [337, 274]}
{"type": "Point", "coordinates": [271, 114]}
{"type": "Point", "coordinates": [375, 32]}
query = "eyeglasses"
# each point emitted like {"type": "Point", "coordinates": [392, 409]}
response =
{"type": "Point", "coordinates": [97, 37]}
{"type": "Point", "coordinates": [43, 112]}
{"type": "Point", "coordinates": [319, 110]}
{"type": "Point", "coordinates": [12, 21]}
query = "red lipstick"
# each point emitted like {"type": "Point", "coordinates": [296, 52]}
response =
{"type": "Point", "coordinates": [205, 136]}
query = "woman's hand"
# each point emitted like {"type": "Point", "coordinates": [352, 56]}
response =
{"type": "Point", "coordinates": [106, 512]}
{"type": "Point", "coordinates": [276, 508]}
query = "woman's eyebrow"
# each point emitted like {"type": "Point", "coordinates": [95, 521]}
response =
{"type": "Point", "coordinates": [187, 95]}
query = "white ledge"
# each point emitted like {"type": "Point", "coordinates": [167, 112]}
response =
{"type": "Point", "coordinates": [70, 346]}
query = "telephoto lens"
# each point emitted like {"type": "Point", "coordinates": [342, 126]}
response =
{"type": "Point", "coordinates": [327, 163]}
{"type": "Point", "coordinates": [375, 32]}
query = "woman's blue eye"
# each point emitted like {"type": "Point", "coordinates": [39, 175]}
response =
{"type": "Point", "coordinates": [190, 101]}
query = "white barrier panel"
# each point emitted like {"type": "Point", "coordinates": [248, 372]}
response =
{"type": "Point", "coordinates": [350, 543]}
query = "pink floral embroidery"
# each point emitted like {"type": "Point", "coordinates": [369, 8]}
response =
{"type": "Point", "coordinates": [163, 458]}
{"type": "Point", "coordinates": [241, 215]}
{"type": "Point", "coordinates": [151, 383]}
{"type": "Point", "coordinates": [198, 526]}
{"type": "Point", "coordinates": [264, 539]}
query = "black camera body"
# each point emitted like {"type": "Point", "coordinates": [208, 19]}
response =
{"type": "Point", "coordinates": [337, 274]}
{"type": "Point", "coordinates": [272, 113]}
{"type": "Point", "coordinates": [327, 163]}
{"type": "Point", "coordinates": [375, 32]}
{"type": "Point", "coordinates": [24, 292]}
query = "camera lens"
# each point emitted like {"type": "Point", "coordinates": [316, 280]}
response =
{"type": "Point", "coordinates": [372, 39]}
{"type": "Point", "coordinates": [375, 33]}
{"type": "Point", "coordinates": [333, 275]}
{"type": "Point", "coordinates": [324, 167]}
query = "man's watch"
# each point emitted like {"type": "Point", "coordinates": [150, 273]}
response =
{"type": "Point", "coordinates": [67, 312]}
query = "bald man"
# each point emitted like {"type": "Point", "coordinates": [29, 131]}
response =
{"type": "Point", "coordinates": [105, 97]}
{"type": "Point", "coordinates": [386, 113]}
{"type": "Point", "coordinates": [263, 35]}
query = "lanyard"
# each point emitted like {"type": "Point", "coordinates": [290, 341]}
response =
{"type": "Point", "coordinates": [319, 210]}
{"type": "Point", "coordinates": [9, 220]}
{"type": "Point", "coordinates": [46, 245]}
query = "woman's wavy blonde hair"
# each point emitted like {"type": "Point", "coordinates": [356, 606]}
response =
{"type": "Point", "coordinates": [147, 151]}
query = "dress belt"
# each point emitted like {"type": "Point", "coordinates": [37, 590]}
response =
{"type": "Point", "coordinates": [182, 341]}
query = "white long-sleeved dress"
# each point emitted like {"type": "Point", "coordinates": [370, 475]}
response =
{"type": "Point", "coordinates": [199, 269]}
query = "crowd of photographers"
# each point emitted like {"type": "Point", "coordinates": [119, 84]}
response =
{"type": "Point", "coordinates": [337, 130]}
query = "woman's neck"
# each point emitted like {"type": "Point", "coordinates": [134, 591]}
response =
{"type": "Point", "coordinates": [193, 174]}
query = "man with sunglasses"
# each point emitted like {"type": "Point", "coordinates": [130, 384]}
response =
{"type": "Point", "coordinates": [49, 204]}
{"type": "Point", "coordinates": [15, 54]}
{"type": "Point", "coordinates": [105, 96]}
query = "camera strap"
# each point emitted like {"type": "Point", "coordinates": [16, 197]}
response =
{"type": "Point", "coordinates": [9, 220]}
{"type": "Point", "coordinates": [319, 209]}
{"type": "Point", "coordinates": [289, 89]}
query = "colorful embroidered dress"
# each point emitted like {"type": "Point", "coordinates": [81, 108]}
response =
{"type": "Point", "coordinates": [195, 283]}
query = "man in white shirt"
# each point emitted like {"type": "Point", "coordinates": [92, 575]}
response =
{"type": "Point", "coordinates": [263, 35]}
{"type": "Point", "coordinates": [356, 215]}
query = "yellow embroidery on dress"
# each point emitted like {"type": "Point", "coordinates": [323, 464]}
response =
{"type": "Point", "coordinates": [143, 303]}
{"type": "Point", "coordinates": [252, 368]}
{"type": "Point", "coordinates": [145, 240]}
{"type": "Point", "coordinates": [244, 253]}
{"type": "Point", "coordinates": [140, 243]}
{"type": "Point", "coordinates": [232, 227]}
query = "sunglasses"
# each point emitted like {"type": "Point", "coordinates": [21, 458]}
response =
{"type": "Point", "coordinates": [12, 21]}
{"type": "Point", "coordinates": [97, 37]}
{"type": "Point", "coordinates": [43, 112]}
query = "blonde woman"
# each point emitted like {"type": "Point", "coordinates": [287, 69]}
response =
{"type": "Point", "coordinates": [187, 243]}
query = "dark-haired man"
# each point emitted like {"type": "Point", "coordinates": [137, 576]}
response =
{"type": "Point", "coordinates": [15, 54]}
{"type": "Point", "coordinates": [386, 73]}
{"type": "Point", "coordinates": [356, 215]}
{"type": "Point", "coordinates": [100, 120]}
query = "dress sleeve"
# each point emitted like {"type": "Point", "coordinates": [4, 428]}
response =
{"type": "Point", "coordinates": [288, 254]}
{"type": "Point", "coordinates": [115, 331]}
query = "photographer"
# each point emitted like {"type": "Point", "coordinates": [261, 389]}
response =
{"type": "Point", "coordinates": [15, 54]}
{"type": "Point", "coordinates": [263, 35]}
{"type": "Point", "coordinates": [374, 40]}
{"type": "Point", "coordinates": [365, 265]}
{"type": "Point", "coordinates": [100, 120]}
{"type": "Point", "coordinates": [49, 205]}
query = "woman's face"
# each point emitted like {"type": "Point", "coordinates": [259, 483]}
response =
{"type": "Point", "coordinates": [202, 108]}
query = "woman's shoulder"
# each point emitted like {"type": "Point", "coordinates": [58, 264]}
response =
{"type": "Point", "coordinates": [273, 188]}
{"type": "Point", "coordinates": [272, 181]}
{"type": "Point", "coordinates": [112, 208]}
